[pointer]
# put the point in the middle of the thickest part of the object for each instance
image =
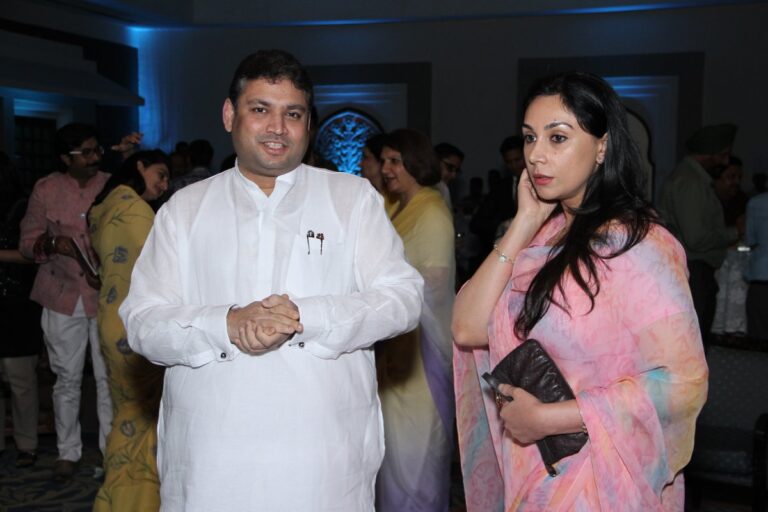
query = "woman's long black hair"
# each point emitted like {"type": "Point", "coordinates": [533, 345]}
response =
{"type": "Point", "coordinates": [614, 194]}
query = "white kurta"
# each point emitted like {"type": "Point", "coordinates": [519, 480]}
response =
{"type": "Point", "coordinates": [297, 428]}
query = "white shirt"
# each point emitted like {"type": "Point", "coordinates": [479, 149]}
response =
{"type": "Point", "coordinates": [297, 428]}
{"type": "Point", "coordinates": [442, 187]}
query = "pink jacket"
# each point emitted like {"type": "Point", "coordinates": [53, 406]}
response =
{"type": "Point", "coordinates": [59, 206]}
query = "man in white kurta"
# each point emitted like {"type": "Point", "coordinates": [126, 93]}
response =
{"type": "Point", "coordinates": [247, 424]}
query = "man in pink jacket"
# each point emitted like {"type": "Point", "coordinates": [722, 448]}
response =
{"type": "Point", "coordinates": [53, 232]}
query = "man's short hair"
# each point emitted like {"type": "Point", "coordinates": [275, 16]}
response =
{"type": "Point", "coordinates": [510, 143]}
{"type": "Point", "coordinates": [200, 153]}
{"type": "Point", "coordinates": [712, 139]}
{"type": "Point", "coordinates": [374, 144]}
{"type": "Point", "coordinates": [444, 150]}
{"type": "Point", "coordinates": [273, 66]}
{"type": "Point", "coordinates": [71, 136]}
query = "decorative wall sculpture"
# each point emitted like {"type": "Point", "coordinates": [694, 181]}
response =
{"type": "Point", "coordinates": [341, 138]}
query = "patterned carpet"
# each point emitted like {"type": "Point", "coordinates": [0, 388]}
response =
{"type": "Point", "coordinates": [34, 490]}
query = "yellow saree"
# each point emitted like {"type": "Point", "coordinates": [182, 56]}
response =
{"type": "Point", "coordinates": [119, 227]}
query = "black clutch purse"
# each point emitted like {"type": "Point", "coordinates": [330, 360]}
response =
{"type": "Point", "coordinates": [530, 367]}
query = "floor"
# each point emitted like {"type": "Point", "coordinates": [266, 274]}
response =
{"type": "Point", "coordinates": [34, 490]}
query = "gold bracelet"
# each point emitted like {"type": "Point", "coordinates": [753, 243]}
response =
{"type": "Point", "coordinates": [503, 258]}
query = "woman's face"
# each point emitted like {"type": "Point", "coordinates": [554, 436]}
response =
{"type": "Point", "coordinates": [396, 177]}
{"type": "Point", "coordinates": [155, 180]}
{"type": "Point", "coordinates": [560, 156]}
{"type": "Point", "coordinates": [370, 166]}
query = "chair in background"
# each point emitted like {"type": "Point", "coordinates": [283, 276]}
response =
{"type": "Point", "coordinates": [732, 430]}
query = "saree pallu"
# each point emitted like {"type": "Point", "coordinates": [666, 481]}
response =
{"type": "Point", "coordinates": [415, 378]}
{"type": "Point", "coordinates": [636, 364]}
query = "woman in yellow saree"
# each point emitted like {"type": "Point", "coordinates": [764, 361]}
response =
{"type": "Point", "coordinates": [415, 383]}
{"type": "Point", "coordinates": [120, 220]}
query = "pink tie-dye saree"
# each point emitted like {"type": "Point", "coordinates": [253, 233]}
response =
{"type": "Point", "coordinates": [636, 364]}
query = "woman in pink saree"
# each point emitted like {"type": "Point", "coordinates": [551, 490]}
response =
{"type": "Point", "coordinates": [586, 269]}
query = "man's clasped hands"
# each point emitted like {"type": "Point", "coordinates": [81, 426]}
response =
{"type": "Point", "coordinates": [263, 325]}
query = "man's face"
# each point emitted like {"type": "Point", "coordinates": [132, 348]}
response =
{"type": "Point", "coordinates": [720, 159]}
{"type": "Point", "coordinates": [178, 164]}
{"type": "Point", "coordinates": [269, 127]}
{"type": "Point", "coordinates": [729, 183]}
{"type": "Point", "coordinates": [370, 166]}
{"type": "Point", "coordinates": [83, 162]}
{"type": "Point", "coordinates": [450, 167]}
{"type": "Point", "coordinates": [514, 161]}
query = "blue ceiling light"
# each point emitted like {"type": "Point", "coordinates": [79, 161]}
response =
{"type": "Point", "coordinates": [150, 114]}
{"type": "Point", "coordinates": [135, 31]}
{"type": "Point", "coordinates": [335, 23]}
{"type": "Point", "coordinates": [610, 9]}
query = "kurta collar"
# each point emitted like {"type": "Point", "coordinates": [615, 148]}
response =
{"type": "Point", "coordinates": [76, 184]}
{"type": "Point", "coordinates": [283, 184]}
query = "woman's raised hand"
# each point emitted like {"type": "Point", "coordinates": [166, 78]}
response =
{"type": "Point", "coordinates": [529, 206]}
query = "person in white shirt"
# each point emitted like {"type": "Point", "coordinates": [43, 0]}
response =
{"type": "Point", "coordinates": [262, 290]}
{"type": "Point", "coordinates": [450, 158]}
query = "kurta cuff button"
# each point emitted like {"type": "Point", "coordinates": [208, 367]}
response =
{"type": "Point", "coordinates": [223, 355]}
{"type": "Point", "coordinates": [301, 344]}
